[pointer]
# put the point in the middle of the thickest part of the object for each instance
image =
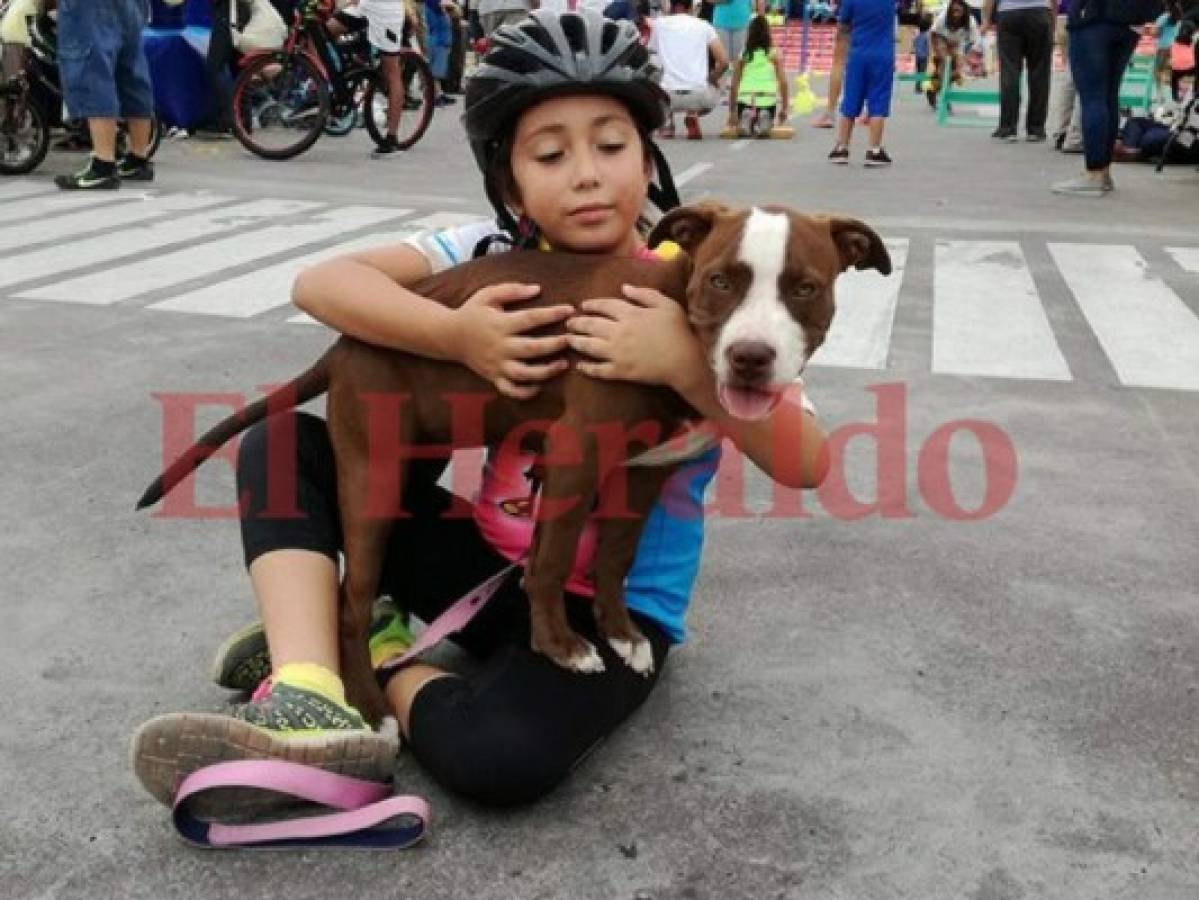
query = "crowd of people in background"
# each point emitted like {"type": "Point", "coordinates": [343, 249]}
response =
{"type": "Point", "coordinates": [715, 54]}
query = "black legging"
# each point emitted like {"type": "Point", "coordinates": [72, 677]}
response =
{"type": "Point", "coordinates": [1025, 37]}
{"type": "Point", "coordinates": [511, 731]}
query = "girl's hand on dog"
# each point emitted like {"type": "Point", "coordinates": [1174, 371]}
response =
{"type": "Point", "coordinates": [645, 338]}
{"type": "Point", "coordinates": [494, 343]}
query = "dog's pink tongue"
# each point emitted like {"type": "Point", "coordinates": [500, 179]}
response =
{"type": "Point", "coordinates": [748, 404]}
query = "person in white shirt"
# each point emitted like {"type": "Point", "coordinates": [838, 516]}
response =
{"type": "Point", "coordinates": [682, 43]}
{"type": "Point", "coordinates": [952, 33]}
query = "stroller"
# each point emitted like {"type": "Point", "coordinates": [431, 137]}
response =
{"type": "Point", "coordinates": [1184, 129]}
{"type": "Point", "coordinates": [31, 102]}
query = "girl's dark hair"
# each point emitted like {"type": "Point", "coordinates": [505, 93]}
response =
{"type": "Point", "coordinates": [757, 37]}
{"type": "Point", "coordinates": [1186, 33]}
{"type": "Point", "coordinates": [963, 9]}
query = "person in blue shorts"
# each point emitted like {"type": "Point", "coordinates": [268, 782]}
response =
{"type": "Point", "coordinates": [105, 77]}
{"type": "Point", "coordinates": [869, 74]}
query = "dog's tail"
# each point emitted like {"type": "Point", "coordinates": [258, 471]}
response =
{"type": "Point", "coordinates": [296, 392]}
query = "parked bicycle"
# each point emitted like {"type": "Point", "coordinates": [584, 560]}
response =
{"type": "Point", "coordinates": [31, 105]}
{"type": "Point", "coordinates": [284, 99]}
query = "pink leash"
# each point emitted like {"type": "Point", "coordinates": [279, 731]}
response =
{"type": "Point", "coordinates": [368, 817]}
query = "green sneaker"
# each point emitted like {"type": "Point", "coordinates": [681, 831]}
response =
{"type": "Point", "coordinates": [288, 723]}
{"type": "Point", "coordinates": [243, 660]}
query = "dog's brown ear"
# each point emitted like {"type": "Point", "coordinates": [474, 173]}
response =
{"type": "Point", "coordinates": [687, 226]}
{"type": "Point", "coordinates": [859, 245]}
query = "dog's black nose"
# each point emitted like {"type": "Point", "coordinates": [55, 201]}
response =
{"type": "Point", "coordinates": [751, 360]}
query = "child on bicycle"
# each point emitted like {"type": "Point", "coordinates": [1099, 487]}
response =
{"type": "Point", "coordinates": [563, 138]}
{"type": "Point", "coordinates": [383, 22]}
{"type": "Point", "coordinates": [758, 93]}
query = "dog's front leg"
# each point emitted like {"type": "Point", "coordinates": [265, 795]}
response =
{"type": "Point", "coordinates": [626, 498]}
{"type": "Point", "coordinates": [566, 497]}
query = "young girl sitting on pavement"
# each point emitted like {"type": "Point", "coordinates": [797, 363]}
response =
{"type": "Point", "coordinates": [563, 140]}
{"type": "Point", "coordinates": [758, 94]}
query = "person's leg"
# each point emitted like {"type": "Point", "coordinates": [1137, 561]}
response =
{"type": "Point", "coordinates": [104, 138]}
{"type": "Point", "coordinates": [216, 66]}
{"type": "Point", "coordinates": [877, 124]}
{"type": "Point", "coordinates": [88, 44]}
{"type": "Point", "coordinates": [853, 98]}
{"type": "Point", "coordinates": [393, 74]}
{"type": "Point", "coordinates": [136, 95]}
{"type": "Point", "coordinates": [836, 79]}
{"type": "Point", "coordinates": [1122, 45]}
{"type": "Point", "coordinates": [1010, 48]}
{"type": "Point", "coordinates": [1088, 61]}
{"type": "Point", "coordinates": [291, 538]}
{"type": "Point", "coordinates": [1067, 95]}
{"type": "Point", "coordinates": [1092, 59]}
{"type": "Point", "coordinates": [882, 82]}
{"type": "Point", "coordinates": [1039, 47]}
{"type": "Point", "coordinates": [513, 731]}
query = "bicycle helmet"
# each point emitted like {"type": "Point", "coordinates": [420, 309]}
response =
{"type": "Point", "coordinates": [548, 55]}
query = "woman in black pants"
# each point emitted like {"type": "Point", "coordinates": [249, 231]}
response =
{"type": "Point", "coordinates": [1025, 38]}
{"type": "Point", "coordinates": [1102, 41]}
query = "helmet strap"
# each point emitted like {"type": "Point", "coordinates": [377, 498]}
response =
{"type": "Point", "coordinates": [663, 194]}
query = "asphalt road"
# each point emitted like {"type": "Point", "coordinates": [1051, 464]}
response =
{"type": "Point", "coordinates": [909, 701]}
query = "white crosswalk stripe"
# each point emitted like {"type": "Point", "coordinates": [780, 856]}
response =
{"type": "Point", "coordinates": [987, 316]}
{"type": "Point", "coordinates": [105, 218]}
{"type": "Point", "coordinates": [1148, 333]}
{"type": "Point", "coordinates": [256, 292]}
{"type": "Point", "coordinates": [113, 247]}
{"type": "Point", "coordinates": [136, 278]}
{"type": "Point", "coordinates": [59, 203]}
{"type": "Point", "coordinates": [210, 255]}
{"type": "Point", "coordinates": [860, 335]}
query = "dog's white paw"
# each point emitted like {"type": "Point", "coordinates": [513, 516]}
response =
{"type": "Point", "coordinates": [588, 661]}
{"type": "Point", "coordinates": [637, 654]}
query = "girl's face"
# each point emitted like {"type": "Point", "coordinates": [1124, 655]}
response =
{"type": "Point", "coordinates": [581, 173]}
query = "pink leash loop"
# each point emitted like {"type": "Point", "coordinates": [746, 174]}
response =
{"type": "Point", "coordinates": [369, 818]}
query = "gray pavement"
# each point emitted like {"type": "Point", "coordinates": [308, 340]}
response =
{"type": "Point", "coordinates": [872, 709]}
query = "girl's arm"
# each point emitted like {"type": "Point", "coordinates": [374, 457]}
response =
{"type": "Point", "coordinates": [363, 295]}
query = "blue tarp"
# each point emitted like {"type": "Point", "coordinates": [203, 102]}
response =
{"type": "Point", "coordinates": [176, 44]}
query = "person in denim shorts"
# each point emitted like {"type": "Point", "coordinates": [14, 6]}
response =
{"type": "Point", "coordinates": [105, 77]}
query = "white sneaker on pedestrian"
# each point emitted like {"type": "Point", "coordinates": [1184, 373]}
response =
{"type": "Point", "coordinates": [1084, 186]}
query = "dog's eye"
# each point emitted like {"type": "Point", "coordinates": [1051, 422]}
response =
{"type": "Point", "coordinates": [805, 291]}
{"type": "Point", "coordinates": [720, 282]}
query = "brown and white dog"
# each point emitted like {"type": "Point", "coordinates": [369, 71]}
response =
{"type": "Point", "coordinates": [757, 285]}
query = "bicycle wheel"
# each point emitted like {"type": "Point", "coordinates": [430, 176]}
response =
{"type": "Point", "coordinates": [24, 134]}
{"type": "Point", "coordinates": [418, 101]}
{"type": "Point", "coordinates": [280, 105]}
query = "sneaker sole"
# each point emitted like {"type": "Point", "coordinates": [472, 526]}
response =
{"type": "Point", "coordinates": [839, 162]}
{"type": "Point", "coordinates": [169, 748]}
{"type": "Point", "coordinates": [231, 654]}
{"type": "Point", "coordinates": [873, 164]}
